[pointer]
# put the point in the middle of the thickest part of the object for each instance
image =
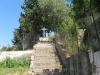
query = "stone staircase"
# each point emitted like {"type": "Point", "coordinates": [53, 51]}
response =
{"type": "Point", "coordinates": [44, 60]}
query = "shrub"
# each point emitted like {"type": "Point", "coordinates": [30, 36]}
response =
{"type": "Point", "coordinates": [52, 38]}
{"type": "Point", "coordinates": [9, 63]}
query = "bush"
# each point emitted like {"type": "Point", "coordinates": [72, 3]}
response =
{"type": "Point", "coordinates": [9, 63]}
{"type": "Point", "coordinates": [53, 38]}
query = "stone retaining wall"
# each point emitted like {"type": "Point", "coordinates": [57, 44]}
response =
{"type": "Point", "coordinates": [84, 63]}
{"type": "Point", "coordinates": [15, 55]}
{"type": "Point", "coordinates": [61, 54]}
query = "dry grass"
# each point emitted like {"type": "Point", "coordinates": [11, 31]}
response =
{"type": "Point", "coordinates": [14, 71]}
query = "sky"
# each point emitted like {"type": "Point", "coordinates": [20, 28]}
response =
{"type": "Point", "coordinates": [9, 15]}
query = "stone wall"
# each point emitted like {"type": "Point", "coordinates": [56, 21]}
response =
{"type": "Point", "coordinates": [78, 64]}
{"type": "Point", "coordinates": [84, 63]}
{"type": "Point", "coordinates": [16, 55]}
{"type": "Point", "coordinates": [61, 54]}
{"type": "Point", "coordinates": [95, 60]}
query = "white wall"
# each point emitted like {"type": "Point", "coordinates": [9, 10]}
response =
{"type": "Point", "coordinates": [15, 54]}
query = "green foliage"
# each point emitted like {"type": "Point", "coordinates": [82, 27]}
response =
{"type": "Point", "coordinates": [4, 48]}
{"type": "Point", "coordinates": [54, 12]}
{"type": "Point", "coordinates": [9, 63]}
{"type": "Point", "coordinates": [51, 14]}
{"type": "Point", "coordinates": [85, 14]}
{"type": "Point", "coordinates": [55, 15]}
{"type": "Point", "coordinates": [2, 64]}
{"type": "Point", "coordinates": [82, 10]}
{"type": "Point", "coordinates": [53, 38]}
{"type": "Point", "coordinates": [18, 38]}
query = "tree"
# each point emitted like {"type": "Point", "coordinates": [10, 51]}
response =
{"type": "Point", "coordinates": [17, 39]}
{"type": "Point", "coordinates": [52, 14]}
{"type": "Point", "coordinates": [4, 48]}
{"type": "Point", "coordinates": [85, 10]}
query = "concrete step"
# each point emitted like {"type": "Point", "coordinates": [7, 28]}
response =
{"type": "Point", "coordinates": [45, 55]}
{"type": "Point", "coordinates": [46, 64]}
{"type": "Point", "coordinates": [46, 61]}
{"type": "Point", "coordinates": [46, 67]}
{"type": "Point", "coordinates": [43, 58]}
{"type": "Point", "coordinates": [44, 50]}
{"type": "Point", "coordinates": [47, 74]}
{"type": "Point", "coordinates": [44, 47]}
{"type": "Point", "coordinates": [57, 73]}
{"type": "Point", "coordinates": [43, 61]}
{"type": "Point", "coordinates": [39, 67]}
{"type": "Point", "coordinates": [56, 70]}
